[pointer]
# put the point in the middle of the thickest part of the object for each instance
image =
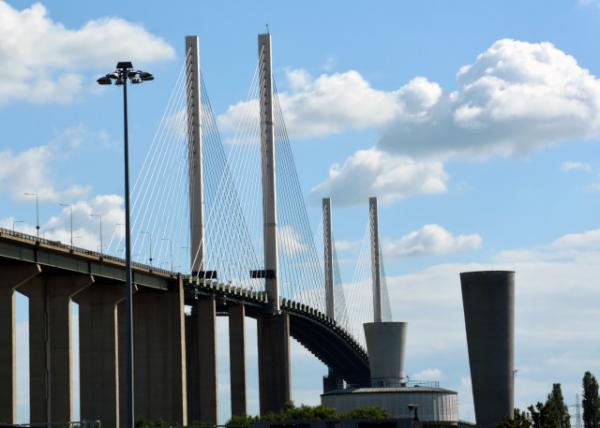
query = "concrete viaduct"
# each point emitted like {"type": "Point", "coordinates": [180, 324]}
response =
{"type": "Point", "coordinates": [175, 353]}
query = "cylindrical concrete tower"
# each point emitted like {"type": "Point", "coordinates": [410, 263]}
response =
{"type": "Point", "coordinates": [489, 307]}
{"type": "Point", "coordinates": [386, 345]}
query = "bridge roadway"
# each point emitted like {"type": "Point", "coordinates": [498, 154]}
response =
{"type": "Point", "coordinates": [170, 385]}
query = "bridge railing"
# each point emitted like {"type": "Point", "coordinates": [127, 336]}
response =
{"type": "Point", "coordinates": [71, 424]}
{"type": "Point", "coordinates": [81, 251]}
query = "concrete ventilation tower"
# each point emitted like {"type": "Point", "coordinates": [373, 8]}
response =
{"type": "Point", "coordinates": [386, 340]}
{"type": "Point", "coordinates": [489, 306]}
{"type": "Point", "coordinates": [389, 387]}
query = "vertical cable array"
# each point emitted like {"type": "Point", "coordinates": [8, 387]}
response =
{"type": "Point", "coordinates": [301, 272]}
{"type": "Point", "coordinates": [159, 195]}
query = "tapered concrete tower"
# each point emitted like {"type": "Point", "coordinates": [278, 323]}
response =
{"type": "Point", "coordinates": [489, 307]}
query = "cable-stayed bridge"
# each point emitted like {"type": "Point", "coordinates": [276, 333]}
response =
{"type": "Point", "coordinates": [218, 227]}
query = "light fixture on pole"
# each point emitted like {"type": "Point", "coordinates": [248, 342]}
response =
{"type": "Point", "coordinates": [15, 224]}
{"type": "Point", "coordinates": [99, 216]}
{"type": "Point", "coordinates": [145, 232]}
{"type": "Point", "coordinates": [71, 219]}
{"type": "Point", "coordinates": [37, 212]}
{"type": "Point", "coordinates": [46, 231]}
{"type": "Point", "coordinates": [120, 77]}
{"type": "Point", "coordinates": [170, 250]}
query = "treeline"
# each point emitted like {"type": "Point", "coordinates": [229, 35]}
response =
{"type": "Point", "coordinates": [554, 413]}
{"type": "Point", "coordinates": [311, 413]}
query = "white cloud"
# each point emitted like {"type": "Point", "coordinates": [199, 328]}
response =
{"type": "Point", "coordinates": [28, 172]}
{"type": "Point", "coordinates": [376, 173]}
{"type": "Point", "coordinates": [333, 103]}
{"type": "Point", "coordinates": [431, 239]}
{"type": "Point", "coordinates": [290, 240]}
{"type": "Point", "coordinates": [515, 98]}
{"type": "Point", "coordinates": [428, 374]}
{"type": "Point", "coordinates": [576, 166]}
{"type": "Point", "coordinates": [46, 58]}
{"type": "Point", "coordinates": [86, 229]}
{"type": "Point", "coordinates": [589, 239]}
{"type": "Point", "coordinates": [341, 245]}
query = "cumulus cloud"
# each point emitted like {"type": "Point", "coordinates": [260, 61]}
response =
{"type": "Point", "coordinates": [333, 103]}
{"type": "Point", "coordinates": [576, 166]}
{"type": "Point", "coordinates": [589, 239]}
{"type": "Point", "coordinates": [28, 172]}
{"type": "Point", "coordinates": [428, 374]}
{"type": "Point", "coordinates": [290, 241]}
{"type": "Point", "coordinates": [374, 172]}
{"type": "Point", "coordinates": [431, 239]}
{"type": "Point", "coordinates": [86, 229]}
{"type": "Point", "coordinates": [46, 58]}
{"type": "Point", "coordinates": [515, 98]}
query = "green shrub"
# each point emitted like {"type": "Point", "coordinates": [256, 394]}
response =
{"type": "Point", "coordinates": [244, 420]}
{"type": "Point", "coordinates": [368, 413]}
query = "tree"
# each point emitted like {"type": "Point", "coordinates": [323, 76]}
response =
{"type": "Point", "coordinates": [591, 403]}
{"type": "Point", "coordinates": [559, 412]}
{"type": "Point", "coordinates": [519, 420]}
{"type": "Point", "coordinates": [553, 413]}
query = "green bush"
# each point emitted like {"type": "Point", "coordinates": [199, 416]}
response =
{"type": "Point", "coordinates": [244, 420]}
{"type": "Point", "coordinates": [368, 413]}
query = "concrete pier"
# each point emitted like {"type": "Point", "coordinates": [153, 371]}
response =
{"type": "Point", "coordinates": [202, 361]}
{"type": "Point", "coordinates": [488, 301]}
{"type": "Point", "coordinates": [332, 381]}
{"type": "Point", "coordinates": [159, 355]}
{"type": "Point", "coordinates": [237, 359]}
{"type": "Point", "coordinates": [98, 352]}
{"type": "Point", "coordinates": [11, 278]}
{"type": "Point", "coordinates": [50, 394]}
{"type": "Point", "coordinates": [273, 361]}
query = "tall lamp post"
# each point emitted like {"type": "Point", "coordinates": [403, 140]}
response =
{"type": "Point", "coordinates": [119, 77]}
{"type": "Point", "coordinates": [99, 217]}
{"type": "Point", "coordinates": [145, 232]}
{"type": "Point", "coordinates": [70, 219]}
{"type": "Point", "coordinates": [37, 212]}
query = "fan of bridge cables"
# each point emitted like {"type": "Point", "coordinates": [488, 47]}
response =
{"type": "Point", "coordinates": [160, 216]}
{"type": "Point", "coordinates": [359, 292]}
{"type": "Point", "coordinates": [233, 226]}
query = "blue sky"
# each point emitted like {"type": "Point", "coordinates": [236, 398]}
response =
{"type": "Point", "coordinates": [475, 123]}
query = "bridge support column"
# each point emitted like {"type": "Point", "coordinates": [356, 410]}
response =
{"type": "Point", "coordinates": [98, 352]}
{"type": "Point", "coordinates": [332, 381]}
{"type": "Point", "coordinates": [11, 278]}
{"type": "Point", "coordinates": [237, 359]}
{"type": "Point", "coordinates": [50, 345]}
{"type": "Point", "coordinates": [203, 370]}
{"type": "Point", "coordinates": [274, 362]}
{"type": "Point", "coordinates": [159, 355]}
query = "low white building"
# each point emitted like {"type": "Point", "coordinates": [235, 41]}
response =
{"type": "Point", "coordinates": [437, 405]}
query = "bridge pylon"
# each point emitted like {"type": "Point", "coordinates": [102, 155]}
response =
{"type": "Point", "coordinates": [273, 325]}
{"type": "Point", "coordinates": [194, 130]}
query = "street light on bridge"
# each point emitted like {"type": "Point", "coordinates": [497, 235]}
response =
{"type": "Point", "coordinates": [119, 77]}
{"type": "Point", "coordinates": [70, 206]}
{"type": "Point", "coordinates": [37, 212]}
{"type": "Point", "coordinates": [99, 217]}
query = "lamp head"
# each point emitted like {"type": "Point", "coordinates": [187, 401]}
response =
{"type": "Point", "coordinates": [124, 65]}
{"type": "Point", "coordinates": [104, 80]}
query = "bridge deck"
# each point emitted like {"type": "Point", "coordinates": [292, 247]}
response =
{"type": "Point", "coordinates": [316, 332]}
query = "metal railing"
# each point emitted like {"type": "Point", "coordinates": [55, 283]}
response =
{"type": "Point", "coordinates": [71, 424]}
{"type": "Point", "coordinates": [81, 251]}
